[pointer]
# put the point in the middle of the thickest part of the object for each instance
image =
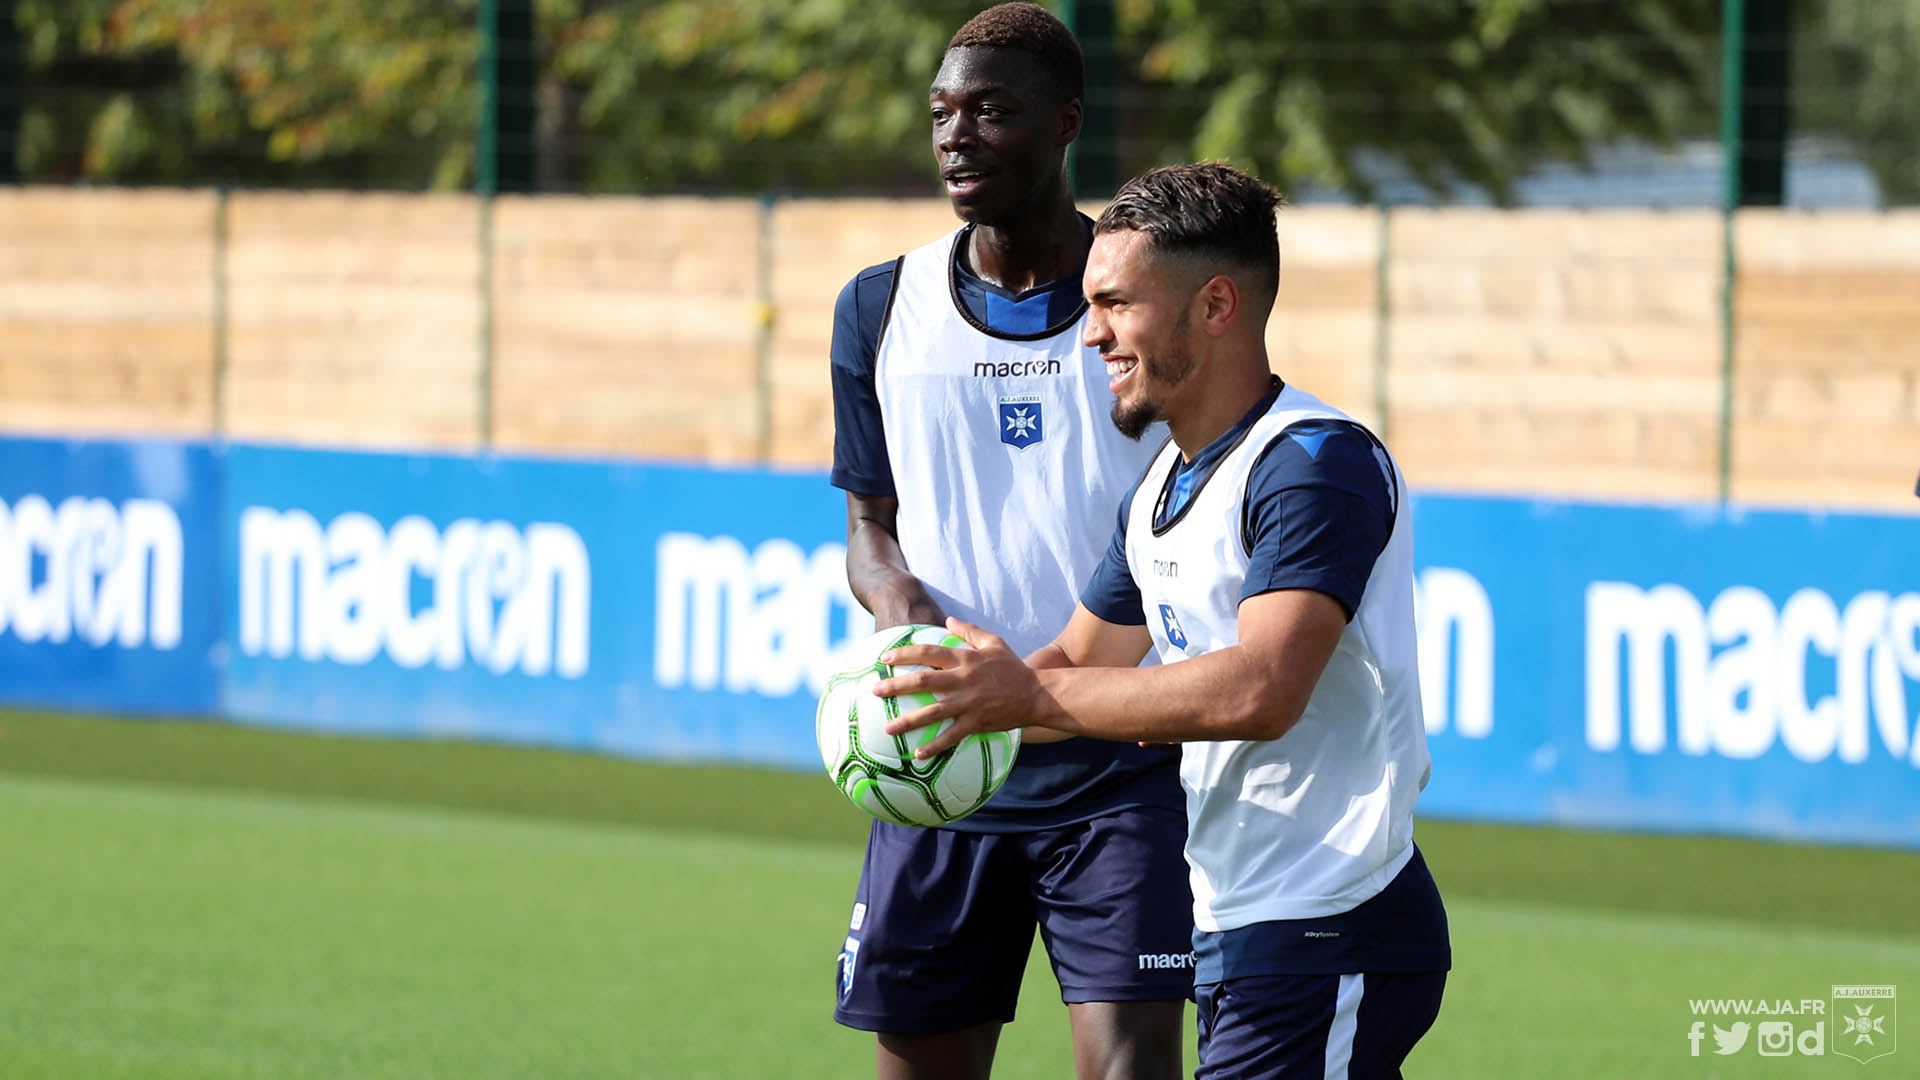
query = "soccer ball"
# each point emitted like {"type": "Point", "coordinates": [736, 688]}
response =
{"type": "Point", "coordinates": [877, 771]}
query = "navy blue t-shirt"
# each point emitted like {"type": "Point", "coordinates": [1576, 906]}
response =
{"type": "Point", "coordinates": [1319, 510]}
{"type": "Point", "coordinates": [1053, 784]}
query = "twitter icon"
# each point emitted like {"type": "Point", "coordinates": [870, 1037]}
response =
{"type": "Point", "coordinates": [1730, 1042]}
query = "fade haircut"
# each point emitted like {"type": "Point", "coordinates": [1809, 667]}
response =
{"type": "Point", "coordinates": [1031, 29]}
{"type": "Point", "coordinates": [1209, 213]}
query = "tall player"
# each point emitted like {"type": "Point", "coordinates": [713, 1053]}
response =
{"type": "Point", "coordinates": [981, 474]}
{"type": "Point", "coordinates": [1266, 556]}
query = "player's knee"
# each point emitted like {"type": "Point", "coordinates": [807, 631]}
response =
{"type": "Point", "coordinates": [950, 1055]}
{"type": "Point", "coordinates": [1134, 1040]}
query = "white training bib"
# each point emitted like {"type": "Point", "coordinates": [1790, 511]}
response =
{"type": "Point", "coordinates": [1017, 424]}
{"type": "Point", "coordinates": [1321, 819]}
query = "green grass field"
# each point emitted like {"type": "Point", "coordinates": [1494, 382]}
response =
{"type": "Point", "coordinates": [187, 900]}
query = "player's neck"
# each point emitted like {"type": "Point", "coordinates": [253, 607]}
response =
{"type": "Point", "coordinates": [1213, 404]}
{"type": "Point", "coordinates": [1023, 253]}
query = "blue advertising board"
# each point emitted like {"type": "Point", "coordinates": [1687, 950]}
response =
{"type": "Point", "coordinates": [647, 610]}
{"type": "Point", "coordinates": [107, 556]}
{"type": "Point", "coordinates": [1674, 668]}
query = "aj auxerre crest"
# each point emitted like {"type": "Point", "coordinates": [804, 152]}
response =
{"type": "Point", "coordinates": [1175, 634]}
{"type": "Point", "coordinates": [1864, 1022]}
{"type": "Point", "coordinates": [1020, 421]}
{"type": "Point", "coordinates": [849, 953]}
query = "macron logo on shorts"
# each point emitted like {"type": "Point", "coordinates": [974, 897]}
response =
{"type": "Point", "coordinates": [1161, 961]}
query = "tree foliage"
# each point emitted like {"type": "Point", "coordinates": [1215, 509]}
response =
{"type": "Point", "coordinates": [756, 94]}
{"type": "Point", "coordinates": [826, 95]}
{"type": "Point", "coordinates": [1857, 76]}
{"type": "Point", "coordinates": [1455, 91]}
{"type": "Point", "coordinates": [376, 93]}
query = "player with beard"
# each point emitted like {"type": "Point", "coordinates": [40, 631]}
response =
{"type": "Point", "coordinates": [1267, 559]}
{"type": "Point", "coordinates": [981, 474]}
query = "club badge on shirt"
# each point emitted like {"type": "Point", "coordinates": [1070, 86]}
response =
{"type": "Point", "coordinates": [1020, 420]}
{"type": "Point", "coordinates": [848, 954]}
{"type": "Point", "coordinates": [1175, 635]}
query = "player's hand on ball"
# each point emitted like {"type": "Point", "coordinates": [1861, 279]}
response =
{"type": "Point", "coordinates": [985, 688]}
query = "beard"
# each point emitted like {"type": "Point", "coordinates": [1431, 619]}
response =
{"type": "Point", "coordinates": [1168, 371]}
{"type": "Point", "coordinates": [1134, 420]}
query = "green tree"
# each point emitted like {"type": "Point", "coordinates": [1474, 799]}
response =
{"type": "Point", "coordinates": [1856, 76]}
{"type": "Point", "coordinates": [825, 95]}
{"type": "Point", "coordinates": [377, 93]}
{"type": "Point", "coordinates": [1457, 91]}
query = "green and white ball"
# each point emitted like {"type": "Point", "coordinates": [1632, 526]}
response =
{"type": "Point", "coordinates": [877, 771]}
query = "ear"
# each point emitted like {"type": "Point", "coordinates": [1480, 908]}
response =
{"type": "Point", "coordinates": [1216, 305]}
{"type": "Point", "coordinates": [1071, 119]}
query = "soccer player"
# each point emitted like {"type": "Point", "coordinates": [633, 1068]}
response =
{"type": "Point", "coordinates": [981, 475]}
{"type": "Point", "coordinates": [1267, 557]}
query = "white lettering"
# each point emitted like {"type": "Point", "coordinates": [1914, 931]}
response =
{"type": "Point", "coordinates": [693, 576]}
{"type": "Point", "coordinates": [1646, 621]}
{"type": "Point", "coordinates": [1164, 961]}
{"type": "Point", "coordinates": [1895, 661]}
{"type": "Point", "coordinates": [1742, 619]}
{"type": "Point", "coordinates": [1865, 640]}
{"type": "Point", "coordinates": [413, 550]}
{"type": "Point", "coordinates": [759, 622]}
{"type": "Point", "coordinates": [1808, 623]}
{"type": "Point", "coordinates": [273, 548]}
{"type": "Point", "coordinates": [352, 610]}
{"type": "Point", "coordinates": [501, 600]}
{"type": "Point", "coordinates": [1737, 702]}
{"type": "Point", "coordinates": [91, 570]}
{"type": "Point", "coordinates": [1456, 651]}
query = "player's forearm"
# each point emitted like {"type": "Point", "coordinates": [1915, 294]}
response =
{"type": "Point", "coordinates": [878, 575]}
{"type": "Point", "coordinates": [895, 597]}
{"type": "Point", "coordinates": [1050, 655]}
{"type": "Point", "coordinates": [1220, 696]}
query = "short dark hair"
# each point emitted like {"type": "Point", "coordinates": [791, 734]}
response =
{"type": "Point", "coordinates": [1031, 29]}
{"type": "Point", "coordinates": [1210, 211]}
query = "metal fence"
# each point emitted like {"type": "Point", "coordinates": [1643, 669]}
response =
{"type": "Point", "coordinates": [1523, 102]}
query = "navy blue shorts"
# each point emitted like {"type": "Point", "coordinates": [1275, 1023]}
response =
{"type": "Point", "coordinates": [1290, 1027]}
{"type": "Point", "coordinates": [943, 921]}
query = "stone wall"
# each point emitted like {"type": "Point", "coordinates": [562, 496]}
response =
{"type": "Point", "coordinates": [1550, 352]}
{"type": "Point", "coordinates": [106, 311]}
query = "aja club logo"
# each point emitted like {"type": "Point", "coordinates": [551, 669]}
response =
{"type": "Point", "coordinates": [1857, 1022]}
{"type": "Point", "coordinates": [1864, 1022]}
{"type": "Point", "coordinates": [1175, 635]}
{"type": "Point", "coordinates": [1021, 423]}
{"type": "Point", "coordinates": [849, 953]}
